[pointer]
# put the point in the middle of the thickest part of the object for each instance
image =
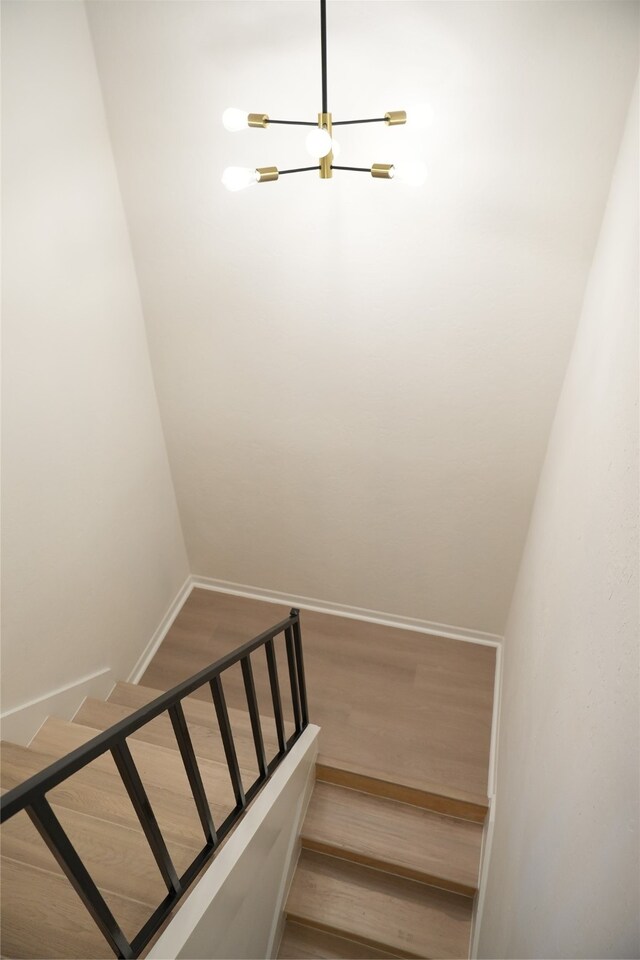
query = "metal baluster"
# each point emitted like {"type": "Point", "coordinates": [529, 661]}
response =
{"type": "Point", "coordinates": [293, 677]}
{"type": "Point", "coordinates": [254, 715]}
{"type": "Point", "coordinates": [138, 796]}
{"type": "Point", "coordinates": [272, 667]}
{"type": "Point", "coordinates": [227, 740]}
{"type": "Point", "coordinates": [185, 745]}
{"type": "Point", "coordinates": [50, 829]}
{"type": "Point", "coordinates": [302, 686]}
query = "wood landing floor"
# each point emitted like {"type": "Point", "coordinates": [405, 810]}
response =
{"type": "Point", "coordinates": [410, 708]}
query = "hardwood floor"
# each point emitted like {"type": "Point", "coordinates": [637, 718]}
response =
{"type": "Point", "coordinates": [408, 707]}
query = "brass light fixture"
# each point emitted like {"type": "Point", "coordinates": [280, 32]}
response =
{"type": "Point", "coordinates": [320, 142]}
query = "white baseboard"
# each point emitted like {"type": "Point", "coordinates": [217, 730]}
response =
{"type": "Point", "coordinates": [343, 610]}
{"type": "Point", "coordinates": [22, 723]}
{"type": "Point", "coordinates": [149, 651]}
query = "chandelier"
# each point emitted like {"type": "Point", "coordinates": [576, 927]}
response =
{"type": "Point", "coordinates": [320, 142]}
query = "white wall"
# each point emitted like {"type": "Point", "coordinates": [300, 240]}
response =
{"type": "Point", "coordinates": [236, 908]}
{"type": "Point", "coordinates": [357, 380]}
{"type": "Point", "coordinates": [564, 871]}
{"type": "Point", "coordinates": [93, 552]}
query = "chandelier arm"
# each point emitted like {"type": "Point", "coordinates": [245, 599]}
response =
{"type": "Point", "coordinates": [357, 169]}
{"type": "Point", "coordinates": [298, 169]}
{"type": "Point", "coordinates": [343, 123]}
{"type": "Point", "coordinates": [323, 52]}
{"type": "Point", "coordinates": [297, 123]}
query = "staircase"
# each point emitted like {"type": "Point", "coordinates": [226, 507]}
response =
{"type": "Point", "coordinates": [386, 868]}
{"type": "Point", "coordinates": [41, 914]}
{"type": "Point", "coordinates": [379, 877]}
{"type": "Point", "coordinates": [109, 818]}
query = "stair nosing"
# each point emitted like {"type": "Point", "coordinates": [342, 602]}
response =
{"type": "Point", "coordinates": [377, 944]}
{"type": "Point", "coordinates": [349, 935]}
{"type": "Point", "coordinates": [389, 867]}
{"type": "Point", "coordinates": [351, 939]}
{"type": "Point", "coordinates": [475, 810]}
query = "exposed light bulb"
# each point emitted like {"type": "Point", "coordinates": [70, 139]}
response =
{"type": "Point", "coordinates": [336, 148]}
{"type": "Point", "coordinates": [318, 143]}
{"type": "Point", "coordinates": [413, 172]}
{"type": "Point", "coordinates": [234, 119]}
{"type": "Point", "coordinates": [237, 178]}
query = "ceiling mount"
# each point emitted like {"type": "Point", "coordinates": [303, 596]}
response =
{"type": "Point", "coordinates": [320, 142]}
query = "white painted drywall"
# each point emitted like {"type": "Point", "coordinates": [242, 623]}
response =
{"type": "Point", "coordinates": [20, 724]}
{"type": "Point", "coordinates": [357, 380]}
{"type": "Point", "coordinates": [236, 908]}
{"type": "Point", "coordinates": [93, 553]}
{"type": "Point", "coordinates": [564, 871]}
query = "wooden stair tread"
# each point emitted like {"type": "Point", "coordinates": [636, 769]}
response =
{"type": "Point", "coordinates": [98, 789]}
{"type": "Point", "coordinates": [118, 858]}
{"type": "Point", "coordinates": [395, 836]}
{"type": "Point", "coordinates": [198, 711]}
{"type": "Point", "coordinates": [465, 806]}
{"type": "Point", "coordinates": [390, 913]}
{"type": "Point", "coordinates": [207, 742]}
{"type": "Point", "coordinates": [42, 916]}
{"type": "Point", "coordinates": [300, 942]}
{"type": "Point", "coordinates": [68, 735]}
{"type": "Point", "coordinates": [162, 772]}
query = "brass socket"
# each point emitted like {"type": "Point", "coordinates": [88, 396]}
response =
{"type": "Point", "coordinates": [395, 117]}
{"type": "Point", "coordinates": [258, 120]}
{"type": "Point", "coordinates": [382, 171]}
{"type": "Point", "coordinates": [324, 122]}
{"type": "Point", "coordinates": [266, 173]}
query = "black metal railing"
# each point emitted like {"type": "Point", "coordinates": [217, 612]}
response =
{"type": "Point", "coordinates": [30, 796]}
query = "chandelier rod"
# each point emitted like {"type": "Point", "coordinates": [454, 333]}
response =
{"type": "Point", "coordinates": [298, 170]}
{"type": "Point", "coordinates": [323, 52]}
{"type": "Point", "coordinates": [342, 123]}
{"type": "Point", "coordinates": [336, 123]}
{"type": "Point", "coordinates": [296, 123]}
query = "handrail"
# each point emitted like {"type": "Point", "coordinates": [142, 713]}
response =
{"type": "Point", "coordinates": [14, 800]}
{"type": "Point", "coordinates": [30, 795]}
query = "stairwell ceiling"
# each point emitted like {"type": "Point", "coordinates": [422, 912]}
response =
{"type": "Point", "coordinates": [357, 379]}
